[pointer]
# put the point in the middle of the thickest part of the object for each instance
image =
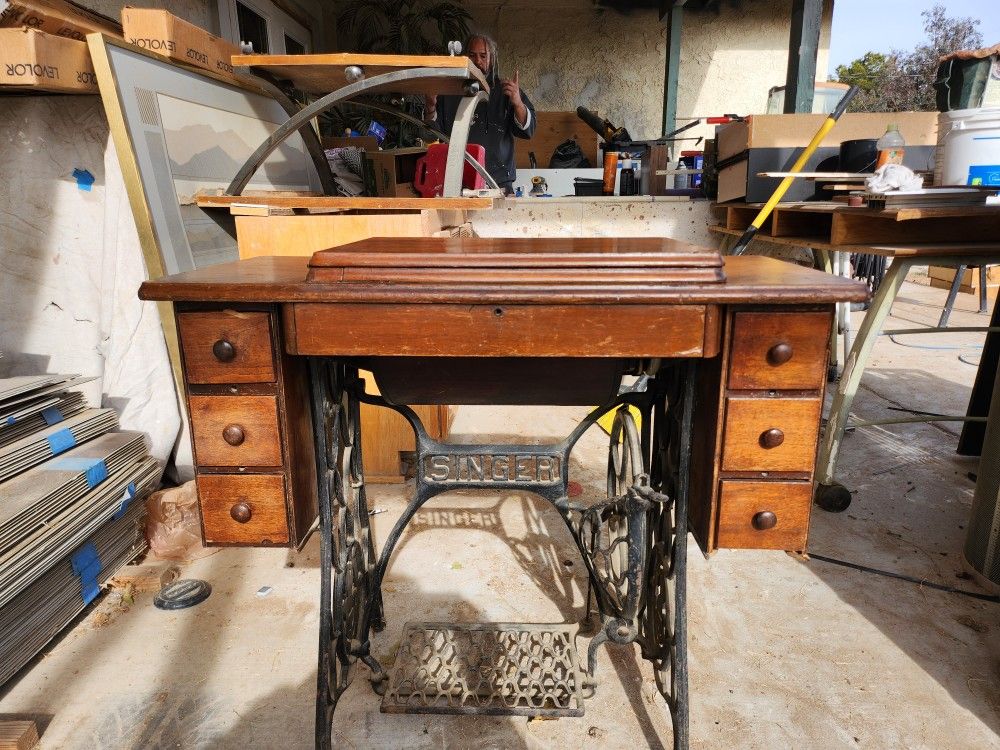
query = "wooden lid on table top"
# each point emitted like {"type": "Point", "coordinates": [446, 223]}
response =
{"type": "Point", "coordinates": [562, 262]}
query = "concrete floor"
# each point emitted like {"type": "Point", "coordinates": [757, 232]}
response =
{"type": "Point", "coordinates": [784, 652]}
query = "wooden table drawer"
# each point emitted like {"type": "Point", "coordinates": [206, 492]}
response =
{"type": "Point", "coordinates": [770, 434]}
{"type": "Point", "coordinates": [764, 515]}
{"type": "Point", "coordinates": [235, 430]}
{"type": "Point", "coordinates": [227, 346]}
{"type": "Point", "coordinates": [779, 350]}
{"type": "Point", "coordinates": [244, 509]}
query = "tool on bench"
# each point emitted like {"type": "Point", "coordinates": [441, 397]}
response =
{"type": "Point", "coordinates": [779, 192]}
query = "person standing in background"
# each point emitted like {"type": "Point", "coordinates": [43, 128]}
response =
{"type": "Point", "coordinates": [508, 114]}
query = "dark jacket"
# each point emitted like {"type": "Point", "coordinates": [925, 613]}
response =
{"type": "Point", "coordinates": [493, 126]}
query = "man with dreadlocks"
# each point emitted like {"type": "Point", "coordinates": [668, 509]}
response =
{"type": "Point", "coordinates": [507, 115]}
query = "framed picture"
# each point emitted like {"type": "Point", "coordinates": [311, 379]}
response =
{"type": "Point", "coordinates": [179, 131]}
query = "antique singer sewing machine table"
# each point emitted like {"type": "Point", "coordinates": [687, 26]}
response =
{"type": "Point", "coordinates": [734, 356]}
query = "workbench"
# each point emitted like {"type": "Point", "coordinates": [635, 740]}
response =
{"type": "Point", "coordinates": [731, 359]}
{"type": "Point", "coordinates": [951, 237]}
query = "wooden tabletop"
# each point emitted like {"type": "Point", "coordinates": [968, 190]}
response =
{"type": "Point", "coordinates": [749, 280]}
{"type": "Point", "coordinates": [321, 74]}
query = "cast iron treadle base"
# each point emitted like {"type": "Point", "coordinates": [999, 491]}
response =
{"type": "Point", "coordinates": [498, 668]}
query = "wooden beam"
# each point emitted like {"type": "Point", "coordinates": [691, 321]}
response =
{"type": "Point", "coordinates": [325, 201]}
{"type": "Point", "coordinates": [671, 69]}
{"type": "Point", "coordinates": [803, 46]}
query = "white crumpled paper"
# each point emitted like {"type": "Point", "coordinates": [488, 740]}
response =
{"type": "Point", "coordinates": [893, 177]}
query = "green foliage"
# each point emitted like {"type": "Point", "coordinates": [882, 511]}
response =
{"type": "Point", "coordinates": [403, 27]}
{"type": "Point", "coordinates": [865, 72]}
{"type": "Point", "coordinates": [904, 81]}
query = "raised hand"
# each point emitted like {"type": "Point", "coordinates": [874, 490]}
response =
{"type": "Point", "coordinates": [512, 88]}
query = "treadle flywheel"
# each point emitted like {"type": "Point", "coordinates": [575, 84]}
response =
{"type": "Point", "coordinates": [496, 669]}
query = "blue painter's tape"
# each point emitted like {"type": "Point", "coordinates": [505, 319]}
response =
{"type": "Point", "coordinates": [84, 179]}
{"type": "Point", "coordinates": [89, 590]}
{"type": "Point", "coordinates": [52, 416]}
{"type": "Point", "coordinates": [86, 565]}
{"type": "Point", "coordinates": [127, 497]}
{"type": "Point", "coordinates": [61, 441]}
{"type": "Point", "coordinates": [83, 557]}
{"type": "Point", "coordinates": [94, 469]}
{"type": "Point", "coordinates": [984, 174]}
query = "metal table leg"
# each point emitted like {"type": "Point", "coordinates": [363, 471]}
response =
{"type": "Point", "coordinates": [633, 545]}
{"type": "Point", "coordinates": [830, 495]}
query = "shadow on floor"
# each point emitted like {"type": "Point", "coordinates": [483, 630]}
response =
{"type": "Point", "coordinates": [912, 498]}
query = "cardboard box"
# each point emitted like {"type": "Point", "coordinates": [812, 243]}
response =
{"type": "Point", "coordinates": [173, 37]}
{"type": "Point", "coordinates": [56, 17]}
{"type": "Point", "coordinates": [38, 61]}
{"type": "Point", "coordinates": [943, 278]}
{"type": "Point", "coordinates": [394, 170]}
{"type": "Point", "coordinates": [770, 143]}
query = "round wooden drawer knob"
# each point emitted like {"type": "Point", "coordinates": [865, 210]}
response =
{"type": "Point", "coordinates": [224, 351]}
{"type": "Point", "coordinates": [772, 438]}
{"type": "Point", "coordinates": [241, 512]}
{"type": "Point", "coordinates": [779, 353]}
{"type": "Point", "coordinates": [764, 520]}
{"type": "Point", "coordinates": [234, 435]}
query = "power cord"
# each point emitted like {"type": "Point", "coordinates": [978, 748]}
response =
{"type": "Point", "coordinates": [911, 579]}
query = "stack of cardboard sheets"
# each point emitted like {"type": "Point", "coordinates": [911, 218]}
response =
{"type": "Point", "coordinates": [72, 509]}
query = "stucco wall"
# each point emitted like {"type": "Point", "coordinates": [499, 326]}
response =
{"type": "Point", "coordinates": [571, 53]}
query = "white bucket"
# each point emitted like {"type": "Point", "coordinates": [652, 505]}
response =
{"type": "Point", "coordinates": [969, 146]}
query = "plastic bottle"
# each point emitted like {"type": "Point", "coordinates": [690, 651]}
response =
{"type": "Point", "coordinates": [891, 147]}
{"type": "Point", "coordinates": [681, 181]}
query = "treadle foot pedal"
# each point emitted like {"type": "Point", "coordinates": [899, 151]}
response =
{"type": "Point", "coordinates": [496, 669]}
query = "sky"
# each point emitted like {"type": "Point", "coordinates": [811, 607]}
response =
{"type": "Point", "coordinates": [861, 26]}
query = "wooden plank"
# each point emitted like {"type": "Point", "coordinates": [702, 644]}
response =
{"type": "Point", "coordinates": [865, 228]}
{"type": "Point", "coordinates": [323, 73]}
{"type": "Point", "coordinates": [490, 331]}
{"type": "Point", "coordinates": [551, 129]}
{"type": "Point", "coordinates": [304, 235]}
{"type": "Point", "coordinates": [819, 175]}
{"type": "Point", "coordinates": [18, 734]}
{"type": "Point", "coordinates": [361, 203]}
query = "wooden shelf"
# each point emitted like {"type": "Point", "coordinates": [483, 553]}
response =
{"type": "Point", "coordinates": [337, 202]}
{"type": "Point", "coordinates": [891, 250]}
{"type": "Point", "coordinates": [321, 74]}
{"type": "Point", "coordinates": [837, 225]}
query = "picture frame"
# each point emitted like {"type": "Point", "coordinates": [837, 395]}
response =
{"type": "Point", "coordinates": [179, 130]}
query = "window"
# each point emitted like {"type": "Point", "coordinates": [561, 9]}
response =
{"type": "Point", "coordinates": [261, 23]}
